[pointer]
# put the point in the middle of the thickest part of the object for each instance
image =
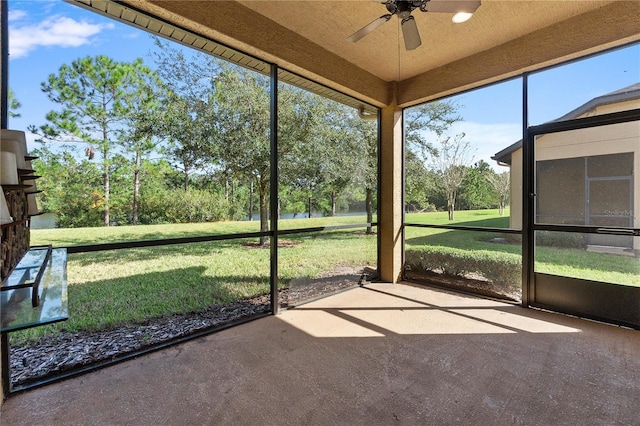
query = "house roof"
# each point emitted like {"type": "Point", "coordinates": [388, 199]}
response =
{"type": "Point", "coordinates": [625, 94]}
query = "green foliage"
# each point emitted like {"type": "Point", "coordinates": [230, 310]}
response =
{"type": "Point", "coordinates": [451, 165]}
{"type": "Point", "coordinates": [421, 189]}
{"type": "Point", "coordinates": [243, 131]}
{"type": "Point", "coordinates": [210, 123]}
{"type": "Point", "coordinates": [501, 182]}
{"type": "Point", "coordinates": [572, 262]}
{"type": "Point", "coordinates": [179, 206]}
{"type": "Point", "coordinates": [13, 104]}
{"type": "Point", "coordinates": [436, 187]}
{"type": "Point", "coordinates": [188, 113]}
{"type": "Point", "coordinates": [503, 269]}
{"type": "Point", "coordinates": [573, 240]}
{"type": "Point", "coordinates": [476, 192]}
{"type": "Point", "coordinates": [97, 96]}
{"type": "Point", "coordinates": [425, 121]}
{"type": "Point", "coordinates": [69, 188]}
{"type": "Point", "coordinates": [313, 159]}
{"type": "Point", "coordinates": [120, 171]}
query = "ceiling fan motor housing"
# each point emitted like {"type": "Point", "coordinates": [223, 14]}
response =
{"type": "Point", "coordinates": [402, 8]}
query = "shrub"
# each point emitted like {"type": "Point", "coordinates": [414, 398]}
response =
{"type": "Point", "coordinates": [503, 269]}
{"type": "Point", "coordinates": [179, 206]}
{"type": "Point", "coordinates": [560, 239]}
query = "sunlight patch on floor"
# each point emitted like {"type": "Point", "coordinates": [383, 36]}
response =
{"type": "Point", "coordinates": [380, 310]}
{"type": "Point", "coordinates": [516, 321]}
{"type": "Point", "coordinates": [324, 324]}
{"type": "Point", "coordinates": [426, 321]}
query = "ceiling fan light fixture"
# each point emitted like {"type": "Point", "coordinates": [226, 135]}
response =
{"type": "Point", "coordinates": [461, 17]}
{"type": "Point", "coordinates": [463, 10]}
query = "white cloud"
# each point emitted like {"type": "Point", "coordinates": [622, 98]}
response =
{"type": "Point", "coordinates": [499, 135]}
{"type": "Point", "coordinates": [487, 139]}
{"type": "Point", "coordinates": [132, 35]}
{"type": "Point", "coordinates": [16, 15]}
{"type": "Point", "coordinates": [58, 31]}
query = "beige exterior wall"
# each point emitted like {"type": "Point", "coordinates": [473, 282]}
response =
{"type": "Point", "coordinates": [603, 140]}
{"type": "Point", "coordinates": [390, 215]}
{"type": "Point", "coordinates": [516, 190]}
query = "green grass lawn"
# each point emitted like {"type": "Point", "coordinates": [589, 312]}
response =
{"type": "Point", "coordinates": [485, 218]}
{"type": "Point", "coordinates": [111, 288]}
{"type": "Point", "coordinates": [79, 236]}
{"type": "Point", "coordinates": [577, 263]}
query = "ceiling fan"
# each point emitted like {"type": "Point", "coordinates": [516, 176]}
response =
{"type": "Point", "coordinates": [463, 10]}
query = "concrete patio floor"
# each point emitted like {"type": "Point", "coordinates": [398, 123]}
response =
{"type": "Point", "coordinates": [384, 354]}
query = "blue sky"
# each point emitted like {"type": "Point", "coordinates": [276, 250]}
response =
{"type": "Point", "coordinates": [44, 34]}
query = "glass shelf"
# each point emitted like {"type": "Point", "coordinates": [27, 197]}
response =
{"type": "Point", "coordinates": [26, 271]}
{"type": "Point", "coordinates": [16, 310]}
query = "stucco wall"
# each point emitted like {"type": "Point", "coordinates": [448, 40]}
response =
{"type": "Point", "coordinates": [516, 190]}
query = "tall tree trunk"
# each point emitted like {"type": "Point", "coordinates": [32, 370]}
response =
{"type": "Point", "coordinates": [105, 171]}
{"type": "Point", "coordinates": [250, 200]}
{"type": "Point", "coordinates": [333, 203]}
{"type": "Point", "coordinates": [136, 189]}
{"type": "Point", "coordinates": [310, 206]}
{"type": "Point", "coordinates": [369, 207]}
{"type": "Point", "coordinates": [186, 177]}
{"type": "Point", "coordinates": [264, 209]}
{"type": "Point", "coordinates": [105, 175]}
{"type": "Point", "coordinates": [451, 203]}
{"type": "Point", "coordinates": [226, 187]}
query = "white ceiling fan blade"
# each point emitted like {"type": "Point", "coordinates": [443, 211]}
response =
{"type": "Point", "coordinates": [449, 6]}
{"type": "Point", "coordinates": [410, 33]}
{"type": "Point", "coordinates": [368, 28]}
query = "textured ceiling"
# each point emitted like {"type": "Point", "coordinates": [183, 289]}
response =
{"type": "Point", "coordinates": [503, 39]}
{"type": "Point", "coordinates": [329, 23]}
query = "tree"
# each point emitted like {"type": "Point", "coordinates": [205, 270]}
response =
{"type": "Point", "coordinates": [476, 192]}
{"type": "Point", "coordinates": [189, 134]}
{"type": "Point", "coordinates": [430, 118]}
{"type": "Point", "coordinates": [189, 107]}
{"type": "Point", "coordinates": [14, 105]}
{"type": "Point", "coordinates": [68, 187]}
{"type": "Point", "coordinates": [304, 143]}
{"type": "Point", "coordinates": [159, 186]}
{"type": "Point", "coordinates": [143, 123]}
{"type": "Point", "coordinates": [312, 154]}
{"type": "Point", "coordinates": [502, 184]}
{"type": "Point", "coordinates": [451, 164]}
{"type": "Point", "coordinates": [424, 125]}
{"type": "Point", "coordinates": [420, 185]}
{"type": "Point", "coordinates": [364, 141]}
{"type": "Point", "coordinates": [92, 93]}
{"type": "Point", "coordinates": [243, 131]}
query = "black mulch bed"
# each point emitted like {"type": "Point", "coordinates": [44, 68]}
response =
{"type": "Point", "coordinates": [472, 283]}
{"type": "Point", "coordinates": [63, 352]}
